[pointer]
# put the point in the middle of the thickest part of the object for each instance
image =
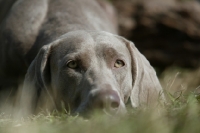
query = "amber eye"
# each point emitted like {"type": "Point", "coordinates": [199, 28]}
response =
{"type": "Point", "coordinates": [72, 64]}
{"type": "Point", "coordinates": [119, 63]}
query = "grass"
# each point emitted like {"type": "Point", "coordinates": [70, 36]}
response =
{"type": "Point", "coordinates": [180, 115]}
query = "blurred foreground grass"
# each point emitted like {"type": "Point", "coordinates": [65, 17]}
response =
{"type": "Point", "coordinates": [180, 115]}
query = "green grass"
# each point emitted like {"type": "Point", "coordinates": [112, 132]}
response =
{"type": "Point", "coordinates": [181, 114]}
{"type": "Point", "coordinates": [178, 117]}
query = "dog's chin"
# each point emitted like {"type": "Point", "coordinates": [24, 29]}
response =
{"type": "Point", "coordinates": [88, 112]}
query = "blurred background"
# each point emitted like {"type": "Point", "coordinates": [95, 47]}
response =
{"type": "Point", "coordinates": [167, 32]}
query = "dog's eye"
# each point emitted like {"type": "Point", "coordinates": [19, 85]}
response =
{"type": "Point", "coordinates": [72, 64]}
{"type": "Point", "coordinates": [119, 63]}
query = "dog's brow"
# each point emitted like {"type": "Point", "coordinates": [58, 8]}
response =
{"type": "Point", "coordinates": [111, 52]}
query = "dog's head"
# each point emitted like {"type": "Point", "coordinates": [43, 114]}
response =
{"type": "Point", "coordinates": [83, 71]}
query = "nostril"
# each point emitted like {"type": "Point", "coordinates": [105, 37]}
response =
{"type": "Point", "coordinates": [114, 100]}
{"type": "Point", "coordinates": [114, 105]}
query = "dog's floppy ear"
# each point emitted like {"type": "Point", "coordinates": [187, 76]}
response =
{"type": "Point", "coordinates": [146, 88]}
{"type": "Point", "coordinates": [37, 79]}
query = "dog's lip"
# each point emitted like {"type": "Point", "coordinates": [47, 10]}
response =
{"type": "Point", "coordinates": [85, 110]}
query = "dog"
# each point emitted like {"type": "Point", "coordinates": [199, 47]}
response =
{"type": "Point", "coordinates": [67, 54]}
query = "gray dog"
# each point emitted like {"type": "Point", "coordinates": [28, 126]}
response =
{"type": "Point", "coordinates": [73, 58]}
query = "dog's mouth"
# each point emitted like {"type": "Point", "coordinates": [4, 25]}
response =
{"type": "Point", "coordinates": [103, 99]}
{"type": "Point", "coordinates": [87, 109]}
{"type": "Point", "coordinates": [88, 112]}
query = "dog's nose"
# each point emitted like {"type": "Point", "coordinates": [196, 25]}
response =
{"type": "Point", "coordinates": [106, 99]}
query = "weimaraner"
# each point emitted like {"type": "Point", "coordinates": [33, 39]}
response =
{"type": "Point", "coordinates": [74, 58]}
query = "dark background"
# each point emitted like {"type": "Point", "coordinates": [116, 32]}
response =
{"type": "Point", "coordinates": [167, 32]}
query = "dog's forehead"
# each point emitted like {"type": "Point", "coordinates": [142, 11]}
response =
{"type": "Point", "coordinates": [81, 41]}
